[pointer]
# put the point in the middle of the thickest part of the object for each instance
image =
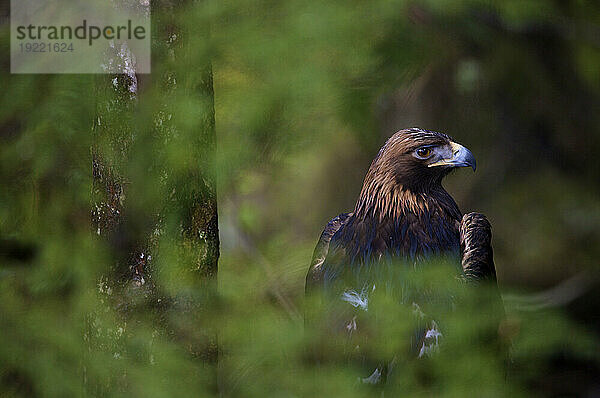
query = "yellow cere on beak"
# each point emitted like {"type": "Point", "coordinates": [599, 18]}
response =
{"type": "Point", "coordinates": [459, 157]}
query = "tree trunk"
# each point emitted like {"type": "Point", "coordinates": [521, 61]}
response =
{"type": "Point", "coordinates": [154, 188]}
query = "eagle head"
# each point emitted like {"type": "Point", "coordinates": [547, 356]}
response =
{"type": "Point", "coordinates": [410, 164]}
{"type": "Point", "coordinates": [418, 159]}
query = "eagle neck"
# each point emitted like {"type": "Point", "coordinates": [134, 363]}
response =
{"type": "Point", "coordinates": [385, 198]}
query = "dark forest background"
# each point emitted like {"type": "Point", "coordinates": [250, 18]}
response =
{"type": "Point", "coordinates": [287, 103]}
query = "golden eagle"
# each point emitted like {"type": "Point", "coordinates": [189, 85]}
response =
{"type": "Point", "coordinates": [403, 215]}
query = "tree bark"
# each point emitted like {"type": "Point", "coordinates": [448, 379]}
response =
{"type": "Point", "coordinates": [154, 194]}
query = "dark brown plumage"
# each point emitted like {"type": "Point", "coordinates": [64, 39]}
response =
{"type": "Point", "coordinates": [403, 212]}
{"type": "Point", "coordinates": [402, 218]}
{"type": "Point", "coordinates": [476, 248]}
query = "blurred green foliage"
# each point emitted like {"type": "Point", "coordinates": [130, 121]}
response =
{"type": "Point", "coordinates": [305, 93]}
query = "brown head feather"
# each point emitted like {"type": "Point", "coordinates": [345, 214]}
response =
{"type": "Point", "coordinates": [397, 180]}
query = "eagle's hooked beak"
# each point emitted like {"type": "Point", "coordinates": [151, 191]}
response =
{"type": "Point", "coordinates": [459, 156]}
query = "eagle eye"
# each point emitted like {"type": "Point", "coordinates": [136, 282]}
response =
{"type": "Point", "coordinates": [423, 153]}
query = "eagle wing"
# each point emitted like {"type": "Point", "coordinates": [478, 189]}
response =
{"type": "Point", "coordinates": [315, 276]}
{"type": "Point", "coordinates": [478, 268]}
{"type": "Point", "coordinates": [476, 248]}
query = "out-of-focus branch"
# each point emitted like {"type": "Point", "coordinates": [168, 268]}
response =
{"type": "Point", "coordinates": [557, 296]}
